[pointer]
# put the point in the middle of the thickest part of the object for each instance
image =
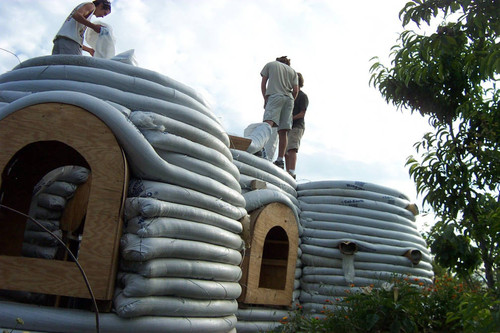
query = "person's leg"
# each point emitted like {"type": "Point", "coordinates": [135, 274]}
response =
{"type": "Point", "coordinates": [291, 160]}
{"type": "Point", "coordinates": [283, 141]}
{"type": "Point", "coordinates": [294, 137]}
{"type": "Point", "coordinates": [285, 124]}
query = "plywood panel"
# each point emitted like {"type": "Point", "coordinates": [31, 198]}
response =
{"type": "Point", "coordinates": [266, 279]}
{"type": "Point", "coordinates": [98, 255]}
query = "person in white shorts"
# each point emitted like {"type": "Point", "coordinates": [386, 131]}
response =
{"type": "Point", "coordinates": [69, 39]}
{"type": "Point", "coordinates": [279, 88]}
{"type": "Point", "coordinates": [298, 128]}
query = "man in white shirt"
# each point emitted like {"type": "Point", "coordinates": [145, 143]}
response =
{"type": "Point", "coordinates": [69, 39]}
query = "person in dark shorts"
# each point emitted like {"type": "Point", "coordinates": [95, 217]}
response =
{"type": "Point", "coordinates": [298, 127]}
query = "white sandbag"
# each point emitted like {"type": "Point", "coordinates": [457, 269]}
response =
{"type": "Point", "coordinates": [38, 251]}
{"type": "Point", "coordinates": [116, 66]}
{"type": "Point", "coordinates": [45, 214]}
{"type": "Point", "coordinates": [51, 201]}
{"type": "Point", "coordinates": [126, 57]}
{"type": "Point", "coordinates": [200, 168]}
{"type": "Point", "coordinates": [134, 285]}
{"type": "Point", "coordinates": [177, 194]}
{"type": "Point", "coordinates": [298, 273]}
{"type": "Point", "coordinates": [51, 319]}
{"type": "Point", "coordinates": [323, 232]}
{"type": "Point", "coordinates": [327, 290]}
{"type": "Point", "coordinates": [364, 246]}
{"type": "Point", "coordinates": [271, 145]}
{"type": "Point", "coordinates": [103, 42]}
{"type": "Point", "coordinates": [124, 83]}
{"type": "Point", "coordinates": [125, 111]}
{"type": "Point", "coordinates": [259, 198]}
{"type": "Point", "coordinates": [8, 96]}
{"type": "Point", "coordinates": [413, 237]}
{"type": "Point", "coordinates": [261, 314]}
{"type": "Point", "coordinates": [389, 199]}
{"type": "Point", "coordinates": [377, 272]}
{"type": "Point", "coordinates": [257, 326]}
{"type": "Point", "coordinates": [51, 225]}
{"type": "Point", "coordinates": [129, 307]}
{"type": "Point", "coordinates": [183, 229]}
{"type": "Point", "coordinates": [172, 267]}
{"type": "Point", "coordinates": [359, 203]}
{"type": "Point", "coordinates": [351, 185]}
{"type": "Point", "coordinates": [259, 174]}
{"type": "Point", "coordinates": [377, 281]}
{"type": "Point", "coordinates": [153, 121]}
{"type": "Point", "coordinates": [363, 256]}
{"type": "Point", "coordinates": [318, 261]}
{"type": "Point", "coordinates": [130, 100]}
{"type": "Point", "coordinates": [166, 141]}
{"type": "Point", "coordinates": [331, 218]}
{"type": "Point", "coordinates": [150, 207]}
{"type": "Point", "coordinates": [71, 174]}
{"type": "Point", "coordinates": [264, 166]}
{"type": "Point", "coordinates": [246, 186]}
{"type": "Point", "coordinates": [61, 188]}
{"type": "Point", "coordinates": [141, 249]}
{"type": "Point", "coordinates": [259, 133]}
{"type": "Point", "coordinates": [42, 238]}
{"type": "Point", "coordinates": [356, 211]}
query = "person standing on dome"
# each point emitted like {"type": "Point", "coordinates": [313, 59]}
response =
{"type": "Point", "coordinates": [279, 88]}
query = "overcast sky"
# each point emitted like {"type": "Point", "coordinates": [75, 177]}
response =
{"type": "Point", "coordinates": [219, 47]}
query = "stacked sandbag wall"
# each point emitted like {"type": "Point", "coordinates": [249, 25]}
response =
{"type": "Point", "coordinates": [181, 244]}
{"type": "Point", "coordinates": [48, 202]}
{"type": "Point", "coordinates": [356, 235]}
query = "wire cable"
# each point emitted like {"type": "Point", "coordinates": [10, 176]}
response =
{"type": "Point", "coordinates": [15, 55]}
{"type": "Point", "coordinates": [94, 302]}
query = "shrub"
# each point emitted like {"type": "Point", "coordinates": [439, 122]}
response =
{"type": "Point", "coordinates": [405, 305]}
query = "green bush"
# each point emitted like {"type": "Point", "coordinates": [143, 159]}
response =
{"type": "Point", "coordinates": [405, 305]}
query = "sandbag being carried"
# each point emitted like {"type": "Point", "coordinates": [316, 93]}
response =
{"type": "Point", "coordinates": [103, 42]}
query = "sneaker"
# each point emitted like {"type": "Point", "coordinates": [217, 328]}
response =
{"type": "Point", "coordinates": [280, 164]}
{"type": "Point", "coordinates": [294, 176]}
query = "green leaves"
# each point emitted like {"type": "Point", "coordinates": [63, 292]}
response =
{"type": "Point", "coordinates": [450, 77]}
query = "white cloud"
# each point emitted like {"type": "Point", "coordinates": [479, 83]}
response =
{"type": "Point", "coordinates": [219, 47]}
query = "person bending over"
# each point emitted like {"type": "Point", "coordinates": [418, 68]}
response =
{"type": "Point", "coordinates": [69, 38]}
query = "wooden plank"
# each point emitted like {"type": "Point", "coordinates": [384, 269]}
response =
{"type": "Point", "coordinates": [76, 207]}
{"type": "Point", "coordinates": [257, 184]}
{"type": "Point", "coordinates": [239, 143]}
{"type": "Point", "coordinates": [94, 141]}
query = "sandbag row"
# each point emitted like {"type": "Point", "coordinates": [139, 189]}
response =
{"type": "Point", "coordinates": [356, 235]}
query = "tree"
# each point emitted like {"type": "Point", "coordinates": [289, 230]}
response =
{"type": "Point", "coordinates": [450, 77]}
